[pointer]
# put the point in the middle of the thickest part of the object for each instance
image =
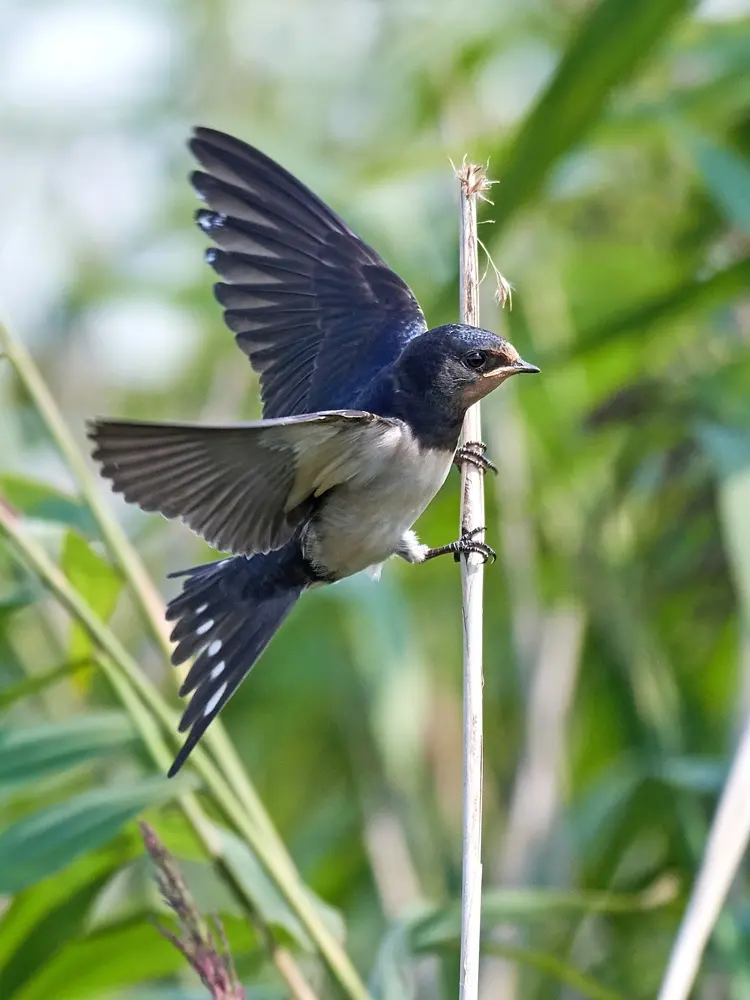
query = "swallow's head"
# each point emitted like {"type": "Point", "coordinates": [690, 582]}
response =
{"type": "Point", "coordinates": [462, 363]}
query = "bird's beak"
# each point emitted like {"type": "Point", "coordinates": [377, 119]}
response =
{"type": "Point", "coordinates": [492, 379]}
{"type": "Point", "coordinates": [517, 368]}
{"type": "Point", "coordinates": [524, 366]}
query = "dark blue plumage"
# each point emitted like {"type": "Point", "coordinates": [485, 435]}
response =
{"type": "Point", "coordinates": [362, 408]}
{"type": "Point", "coordinates": [246, 600]}
{"type": "Point", "coordinates": [317, 311]}
{"type": "Point", "coordinates": [422, 390]}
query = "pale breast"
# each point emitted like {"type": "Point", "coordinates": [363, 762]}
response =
{"type": "Point", "coordinates": [361, 522]}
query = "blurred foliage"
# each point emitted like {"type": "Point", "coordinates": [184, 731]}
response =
{"type": "Point", "coordinates": [617, 665]}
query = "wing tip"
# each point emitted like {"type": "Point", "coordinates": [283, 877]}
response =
{"type": "Point", "coordinates": [205, 134]}
{"type": "Point", "coordinates": [96, 432]}
{"type": "Point", "coordinates": [206, 143]}
{"type": "Point", "coordinates": [95, 425]}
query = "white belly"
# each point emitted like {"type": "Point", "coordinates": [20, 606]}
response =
{"type": "Point", "coordinates": [362, 522]}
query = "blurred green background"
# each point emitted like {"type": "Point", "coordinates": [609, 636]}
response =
{"type": "Point", "coordinates": [617, 637]}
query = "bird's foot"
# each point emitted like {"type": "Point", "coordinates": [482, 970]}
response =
{"type": "Point", "coordinates": [466, 543]}
{"type": "Point", "coordinates": [474, 453]}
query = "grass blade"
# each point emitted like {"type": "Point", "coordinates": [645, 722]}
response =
{"type": "Point", "coordinates": [145, 706]}
{"type": "Point", "coordinates": [690, 297]}
{"type": "Point", "coordinates": [37, 751]}
{"type": "Point", "coordinates": [43, 843]}
{"type": "Point", "coordinates": [608, 47]}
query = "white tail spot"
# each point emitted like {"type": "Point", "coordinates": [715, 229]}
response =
{"type": "Point", "coordinates": [214, 648]}
{"type": "Point", "coordinates": [211, 220]}
{"type": "Point", "coordinates": [214, 700]}
{"type": "Point", "coordinates": [202, 629]}
{"type": "Point", "coordinates": [217, 670]}
{"type": "Point", "coordinates": [201, 609]}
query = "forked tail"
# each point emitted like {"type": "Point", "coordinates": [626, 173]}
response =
{"type": "Point", "coordinates": [226, 615]}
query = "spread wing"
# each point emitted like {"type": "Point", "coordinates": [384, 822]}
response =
{"type": "Point", "coordinates": [244, 488]}
{"type": "Point", "coordinates": [317, 311]}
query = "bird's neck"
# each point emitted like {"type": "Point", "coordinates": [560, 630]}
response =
{"type": "Point", "coordinates": [434, 420]}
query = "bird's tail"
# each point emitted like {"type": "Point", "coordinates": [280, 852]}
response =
{"type": "Point", "coordinates": [226, 615]}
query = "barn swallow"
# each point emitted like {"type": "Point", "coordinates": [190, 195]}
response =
{"type": "Point", "coordinates": [362, 412]}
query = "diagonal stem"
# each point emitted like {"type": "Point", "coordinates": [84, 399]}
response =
{"type": "Point", "coordinates": [153, 740]}
{"type": "Point", "coordinates": [125, 556]}
{"type": "Point", "coordinates": [145, 704]}
{"type": "Point", "coordinates": [726, 845]}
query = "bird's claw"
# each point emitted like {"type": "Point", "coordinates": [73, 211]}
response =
{"type": "Point", "coordinates": [473, 452]}
{"type": "Point", "coordinates": [467, 543]}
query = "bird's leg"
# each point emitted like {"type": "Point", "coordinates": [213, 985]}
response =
{"type": "Point", "coordinates": [474, 452]}
{"type": "Point", "coordinates": [466, 543]}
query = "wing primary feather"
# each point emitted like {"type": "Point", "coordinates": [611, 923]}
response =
{"type": "Point", "coordinates": [334, 303]}
{"type": "Point", "coordinates": [245, 489]}
{"type": "Point", "coordinates": [246, 162]}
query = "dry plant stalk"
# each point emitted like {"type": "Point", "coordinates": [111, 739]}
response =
{"type": "Point", "coordinates": [473, 183]}
{"type": "Point", "coordinates": [196, 942]}
{"type": "Point", "coordinates": [722, 858]}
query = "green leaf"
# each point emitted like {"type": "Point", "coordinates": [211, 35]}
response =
{"type": "Point", "coordinates": [271, 904]}
{"type": "Point", "coordinates": [690, 297]}
{"type": "Point", "coordinates": [439, 932]}
{"type": "Point", "coordinates": [37, 751]}
{"type": "Point", "coordinates": [695, 774]}
{"type": "Point", "coordinates": [43, 843]}
{"type": "Point", "coordinates": [719, 99]}
{"type": "Point", "coordinates": [43, 917]}
{"type": "Point", "coordinates": [95, 580]}
{"type": "Point", "coordinates": [442, 924]}
{"type": "Point", "coordinates": [729, 449]}
{"type": "Point", "coordinates": [111, 959]}
{"type": "Point", "coordinates": [391, 977]}
{"type": "Point", "coordinates": [63, 923]}
{"type": "Point", "coordinates": [726, 175]}
{"type": "Point", "coordinates": [439, 928]}
{"type": "Point", "coordinates": [17, 597]}
{"type": "Point", "coordinates": [38, 500]}
{"type": "Point", "coordinates": [123, 954]}
{"type": "Point", "coordinates": [609, 45]}
{"type": "Point", "coordinates": [38, 682]}
{"type": "Point", "coordinates": [31, 906]}
{"type": "Point", "coordinates": [555, 968]}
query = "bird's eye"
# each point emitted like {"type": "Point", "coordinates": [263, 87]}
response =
{"type": "Point", "coordinates": [475, 359]}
